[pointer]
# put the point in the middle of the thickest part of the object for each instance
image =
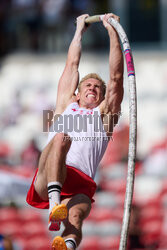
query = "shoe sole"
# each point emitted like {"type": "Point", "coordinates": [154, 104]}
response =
{"type": "Point", "coordinates": [59, 243]}
{"type": "Point", "coordinates": [58, 213]}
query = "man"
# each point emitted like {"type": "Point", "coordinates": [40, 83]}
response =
{"type": "Point", "coordinates": [68, 165]}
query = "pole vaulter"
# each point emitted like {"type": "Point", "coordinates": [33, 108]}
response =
{"type": "Point", "coordinates": [64, 180]}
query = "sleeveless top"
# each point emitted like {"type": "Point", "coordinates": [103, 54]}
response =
{"type": "Point", "coordinates": [89, 139]}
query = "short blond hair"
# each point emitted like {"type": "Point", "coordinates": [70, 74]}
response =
{"type": "Point", "coordinates": [95, 76]}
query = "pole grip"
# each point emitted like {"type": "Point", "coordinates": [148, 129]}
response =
{"type": "Point", "coordinates": [94, 19]}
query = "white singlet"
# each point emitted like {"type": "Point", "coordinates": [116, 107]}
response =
{"type": "Point", "coordinates": [89, 139]}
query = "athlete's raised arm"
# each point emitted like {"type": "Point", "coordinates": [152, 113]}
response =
{"type": "Point", "coordinates": [114, 92]}
{"type": "Point", "coordinates": [70, 77]}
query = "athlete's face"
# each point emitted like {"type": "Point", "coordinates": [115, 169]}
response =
{"type": "Point", "coordinates": [90, 94]}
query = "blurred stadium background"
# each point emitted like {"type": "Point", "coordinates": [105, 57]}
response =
{"type": "Point", "coordinates": [34, 39]}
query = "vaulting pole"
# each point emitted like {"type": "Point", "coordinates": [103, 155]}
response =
{"type": "Point", "coordinates": [132, 126]}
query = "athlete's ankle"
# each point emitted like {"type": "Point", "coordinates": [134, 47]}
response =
{"type": "Point", "coordinates": [71, 243]}
{"type": "Point", "coordinates": [54, 190]}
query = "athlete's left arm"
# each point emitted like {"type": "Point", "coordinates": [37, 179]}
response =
{"type": "Point", "coordinates": [114, 92]}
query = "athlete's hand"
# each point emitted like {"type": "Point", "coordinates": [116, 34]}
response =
{"type": "Point", "coordinates": [106, 24]}
{"type": "Point", "coordinates": [80, 22]}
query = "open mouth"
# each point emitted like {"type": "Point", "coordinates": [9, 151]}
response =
{"type": "Point", "coordinates": [91, 95]}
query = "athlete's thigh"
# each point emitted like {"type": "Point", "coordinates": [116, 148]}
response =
{"type": "Point", "coordinates": [41, 179]}
{"type": "Point", "coordinates": [79, 204]}
{"type": "Point", "coordinates": [54, 144]}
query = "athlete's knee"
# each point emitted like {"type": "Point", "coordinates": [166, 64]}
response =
{"type": "Point", "coordinates": [76, 216]}
{"type": "Point", "coordinates": [62, 141]}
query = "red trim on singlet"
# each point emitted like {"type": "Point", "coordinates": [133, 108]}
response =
{"type": "Point", "coordinates": [76, 182]}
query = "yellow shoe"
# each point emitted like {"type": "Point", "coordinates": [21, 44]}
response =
{"type": "Point", "coordinates": [59, 243]}
{"type": "Point", "coordinates": [58, 213]}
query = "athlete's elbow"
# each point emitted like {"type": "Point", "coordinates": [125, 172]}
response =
{"type": "Point", "coordinates": [116, 100]}
{"type": "Point", "coordinates": [116, 90]}
{"type": "Point", "coordinates": [116, 109]}
{"type": "Point", "coordinates": [73, 64]}
{"type": "Point", "coordinates": [116, 78]}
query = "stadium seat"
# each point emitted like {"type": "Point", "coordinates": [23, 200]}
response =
{"type": "Point", "coordinates": [29, 215]}
{"type": "Point", "coordinates": [100, 243]}
{"type": "Point", "coordinates": [38, 243]}
{"type": "Point", "coordinates": [109, 243]}
{"type": "Point", "coordinates": [90, 243]}
{"type": "Point", "coordinates": [8, 215]}
{"type": "Point", "coordinates": [115, 186]}
{"type": "Point", "coordinates": [12, 229]}
{"type": "Point", "coordinates": [33, 230]}
{"type": "Point", "coordinates": [102, 214]}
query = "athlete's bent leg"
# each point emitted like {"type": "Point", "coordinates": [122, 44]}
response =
{"type": "Point", "coordinates": [51, 177]}
{"type": "Point", "coordinates": [79, 207]}
{"type": "Point", "coordinates": [52, 164]}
